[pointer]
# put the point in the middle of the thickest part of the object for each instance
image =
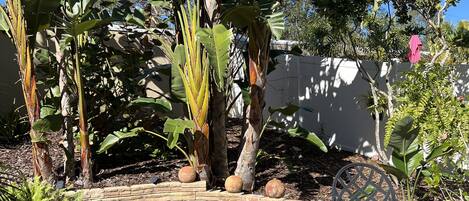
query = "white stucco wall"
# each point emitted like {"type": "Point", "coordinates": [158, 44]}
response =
{"type": "Point", "coordinates": [334, 90]}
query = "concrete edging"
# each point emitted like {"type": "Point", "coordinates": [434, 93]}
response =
{"type": "Point", "coordinates": [164, 191]}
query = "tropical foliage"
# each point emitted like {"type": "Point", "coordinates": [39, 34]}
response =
{"type": "Point", "coordinates": [91, 63]}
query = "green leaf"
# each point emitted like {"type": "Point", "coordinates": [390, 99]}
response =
{"type": "Point", "coordinates": [403, 135]}
{"type": "Point", "coordinates": [47, 110]}
{"type": "Point", "coordinates": [172, 140]}
{"type": "Point", "coordinates": [461, 38]}
{"type": "Point", "coordinates": [287, 110]}
{"type": "Point", "coordinates": [217, 41]}
{"type": "Point", "coordinates": [137, 18]}
{"type": "Point", "coordinates": [38, 14]}
{"type": "Point", "coordinates": [51, 123]}
{"type": "Point", "coordinates": [107, 143]}
{"type": "Point", "coordinates": [439, 151]}
{"type": "Point", "coordinates": [394, 171]}
{"type": "Point", "coordinates": [241, 16]}
{"type": "Point", "coordinates": [161, 4]}
{"type": "Point", "coordinates": [361, 195]}
{"type": "Point", "coordinates": [309, 136]}
{"type": "Point", "coordinates": [407, 163]}
{"type": "Point", "coordinates": [158, 104]}
{"type": "Point", "coordinates": [82, 27]}
{"type": "Point", "coordinates": [177, 125]}
{"type": "Point", "coordinates": [177, 86]}
{"type": "Point", "coordinates": [414, 160]}
{"type": "Point", "coordinates": [4, 21]}
{"type": "Point", "coordinates": [276, 22]}
{"type": "Point", "coordinates": [116, 136]}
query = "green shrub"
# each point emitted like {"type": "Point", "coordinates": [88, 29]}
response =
{"type": "Point", "coordinates": [426, 94]}
{"type": "Point", "coordinates": [12, 127]}
{"type": "Point", "coordinates": [36, 190]}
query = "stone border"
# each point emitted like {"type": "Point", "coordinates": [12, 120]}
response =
{"type": "Point", "coordinates": [164, 191]}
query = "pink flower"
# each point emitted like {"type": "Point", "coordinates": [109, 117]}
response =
{"type": "Point", "coordinates": [415, 45]}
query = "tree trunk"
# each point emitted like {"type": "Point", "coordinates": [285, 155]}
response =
{"type": "Point", "coordinates": [258, 50]}
{"type": "Point", "coordinates": [390, 90]}
{"type": "Point", "coordinates": [67, 143]}
{"type": "Point", "coordinates": [381, 152]}
{"type": "Point", "coordinates": [42, 163]}
{"type": "Point", "coordinates": [83, 124]}
{"type": "Point", "coordinates": [218, 146]}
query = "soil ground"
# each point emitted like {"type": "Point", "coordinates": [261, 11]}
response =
{"type": "Point", "coordinates": [306, 171]}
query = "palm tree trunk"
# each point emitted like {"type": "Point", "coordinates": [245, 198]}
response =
{"type": "Point", "coordinates": [84, 138]}
{"type": "Point", "coordinates": [258, 50]}
{"type": "Point", "coordinates": [218, 148]}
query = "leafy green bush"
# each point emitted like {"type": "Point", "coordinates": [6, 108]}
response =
{"type": "Point", "coordinates": [12, 127]}
{"type": "Point", "coordinates": [15, 187]}
{"type": "Point", "coordinates": [36, 190]}
{"type": "Point", "coordinates": [426, 94]}
{"type": "Point", "coordinates": [408, 160]}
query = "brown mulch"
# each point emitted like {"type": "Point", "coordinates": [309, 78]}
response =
{"type": "Point", "coordinates": [306, 171]}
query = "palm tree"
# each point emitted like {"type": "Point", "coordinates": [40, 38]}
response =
{"type": "Point", "coordinates": [23, 26]}
{"type": "Point", "coordinates": [262, 20]}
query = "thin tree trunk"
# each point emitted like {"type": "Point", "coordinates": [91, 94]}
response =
{"type": "Point", "coordinates": [67, 143]}
{"type": "Point", "coordinates": [259, 46]}
{"type": "Point", "coordinates": [67, 139]}
{"type": "Point", "coordinates": [83, 124]}
{"type": "Point", "coordinates": [390, 91]}
{"type": "Point", "coordinates": [381, 153]}
{"type": "Point", "coordinates": [218, 148]}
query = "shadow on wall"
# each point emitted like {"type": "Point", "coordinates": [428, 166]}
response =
{"type": "Point", "coordinates": [462, 84]}
{"type": "Point", "coordinates": [333, 89]}
{"type": "Point", "coordinates": [11, 96]}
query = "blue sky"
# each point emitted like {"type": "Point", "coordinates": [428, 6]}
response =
{"type": "Point", "coordinates": [454, 14]}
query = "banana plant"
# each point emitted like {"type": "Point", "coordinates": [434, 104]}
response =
{"type": "Point", "coordinates": [193, 66]}
{"type": "Point", "coordinates": [408, 160]}
{"type": "Point", "coordinates": [262, 19]}
{"type": "Point", "coordinates": [21, 23]}
{"type": "Point", "coordinates": [297, 131]}
{"type": "Point", "coordinates": [80, 17]}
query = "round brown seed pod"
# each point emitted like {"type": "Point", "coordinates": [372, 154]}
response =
{"type": "Point", "coordinates": [275, 189]}
{"type": "Point", "coordinates": [187, 174]}
{"type": "Point", "coordinates": [233, 184]}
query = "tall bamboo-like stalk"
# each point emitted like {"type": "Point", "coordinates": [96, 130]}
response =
{"type": "Point", "coordinates": [42, 162]}
{"type": "Point", "coordinates": [83, 124]}
{"type": "Point", "coordinates": [195, 76]}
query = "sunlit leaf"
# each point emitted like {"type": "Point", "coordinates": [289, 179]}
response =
{"type": "Point", "coordinates": [217, 41]}
{"type": "Point", "coordinates": [159, 104]}
{"type": "Point", "coordinates": [116, 136]}
{"type": "Point", "coordinates": [287, 110]}
{"type": "Point", "coordinates": [309, 136]}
